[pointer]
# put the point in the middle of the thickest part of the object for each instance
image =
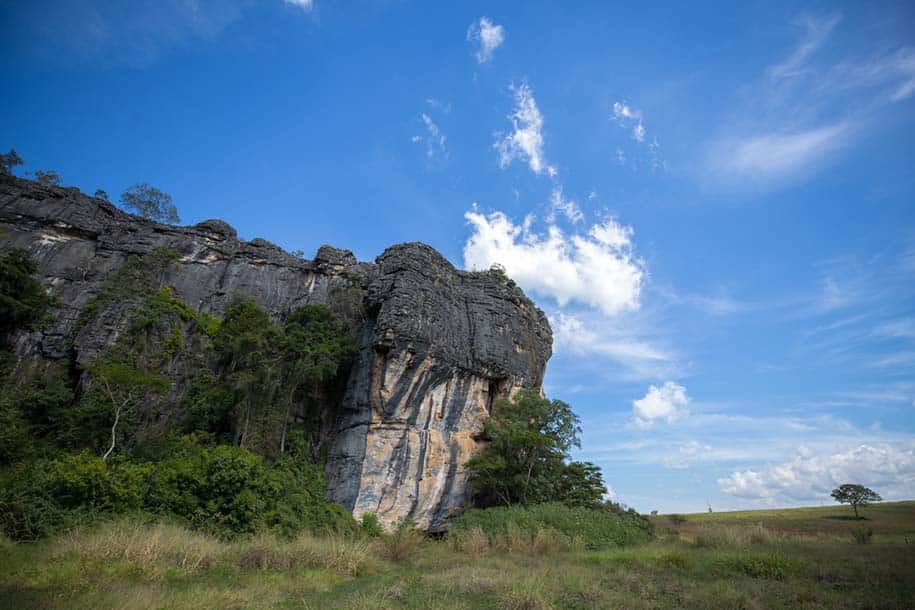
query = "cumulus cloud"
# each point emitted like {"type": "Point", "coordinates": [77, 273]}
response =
{"type": "Point", "coordinates": [525, 142]}
{"type": "Point", "coordinates": [487, 36]}
{"type": "Point", "coordinates": [887, 468]}
{"type": "Point", "coordinates": [597, 268]}
{"type": "Point", "coordinates": [666, 402]}
{"type": "Point", "coordinates": [305, 5]}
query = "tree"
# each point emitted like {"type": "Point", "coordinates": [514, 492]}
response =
{"type": "Point", "coordinates": [123, 386]}
{"type": "Point", "coordinates": [101, 194]}
{"type": "Point", "coordinates": [525, 460]}
{"type": "Point", "coordinates": [48, 178]}
{"type": "Point", "coordinates": [150, 202]}
{"type": "Point", "coordinates": [24, 303]}
{"type": "Point", "coordinates": [9, 161]}
{"type": "Point", "coordinates": [856, 495]}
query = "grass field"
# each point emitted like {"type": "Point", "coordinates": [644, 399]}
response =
{"type": "Point", "coordinates": [797, 558]}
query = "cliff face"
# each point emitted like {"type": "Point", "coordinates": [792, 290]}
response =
{"type": "Point", "coordinates": [436, 345]}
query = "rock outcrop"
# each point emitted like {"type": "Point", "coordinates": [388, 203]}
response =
{"type": "Point", "coordinates": [436, 345]}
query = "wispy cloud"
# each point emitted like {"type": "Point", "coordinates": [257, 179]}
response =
{"type": "Point", "coordinates": [775, 155]}
{"type": "Point", "coordinates": [808, 107]}
{"type": "Point", "coordinates": [305, 5]}
{"type": "Point", "coordinates": [433, 139]}
{"type": "Point", "coordinates": [566, 206]}
{"type": "Point", "coordinates": [630, 120]}
{"type": "Point", "coordinates": [487, 36]}
{"type": "Point", "coordinates": [626, 351]}
{"type": "Point", "coordinates": [525, 141]}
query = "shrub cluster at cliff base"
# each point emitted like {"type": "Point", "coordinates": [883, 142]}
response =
{"type": "Point", "coordinates": [591, 528]}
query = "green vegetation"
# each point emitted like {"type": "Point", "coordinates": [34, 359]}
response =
{"type": "Point", "coordinates": [856, 495]}
{"type": "Point", "coordinates": [225, 459]}
{"type": "Point", "coordinates": [150, 202]}
{"type": "Point", "coordinates": [526, 458]}
{"type": "Point", "coordinates": [796, 560]}
{"type": "Point", "coordinates": [47, 178]}
{"type": "Point", "coordinates": [9, 161]}
{"type": "Point", "coordinates": [24, 303]}
{"type": "Point", "coordinates": [591, 528]}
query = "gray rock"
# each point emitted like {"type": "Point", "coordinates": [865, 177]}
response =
{"type": "Point", "coordinates": [436, 345]}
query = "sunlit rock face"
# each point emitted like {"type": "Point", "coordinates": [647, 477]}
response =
{"type": "Point", "coordinates": [436, 345]}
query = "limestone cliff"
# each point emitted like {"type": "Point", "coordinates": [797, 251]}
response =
{"type": "Point", "coordinates": [436, 345]}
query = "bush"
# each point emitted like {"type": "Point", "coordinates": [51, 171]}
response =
{"type": "Point", "coordinates": [862, 535]}
{"type": "Point", "coordinates": [594, 528]}
{"type": "Point", "coordinates": [677, 519]}
{"type": "Point", "coordinates": [772, 566]}
{"type": "Point", "coordinates": [403, 543]}
{"type": "Point", "coordinates": [370, 525]}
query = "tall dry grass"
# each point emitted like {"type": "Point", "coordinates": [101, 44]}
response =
{"type": "Point", "coordinates": [159, 545]}
{"type": "Point", "coordinates": [734, 536]}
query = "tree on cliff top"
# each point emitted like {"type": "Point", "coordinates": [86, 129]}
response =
{"type": "Point", "coordinates": [525, 460]}
{"type": "Point", "coordinates": [150, 202]}
{"type": "Point", "coordinates": [8, 161]}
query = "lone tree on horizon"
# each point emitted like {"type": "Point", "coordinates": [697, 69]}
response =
{"type": "Point", "coordinates": [150, 202]}
{"type": "Point", "coordinates": [856, 495]}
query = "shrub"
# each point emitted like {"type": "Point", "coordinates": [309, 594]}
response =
{"type": "Point", "coordinates": [862, 535]}
{"type": "Point", "coordinates": [772, 566]}
{"type": "Point", "coordinates": [403, 543]}
{"type": "Point", "coordinates": [370, 525]}
{"type": "Point", "coordinates": [677, 519]}
{"type": "Point", "coordinates": [597, 528]}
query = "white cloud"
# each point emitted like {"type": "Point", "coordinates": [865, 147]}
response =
{"type": "Point", "coordinates": [305, 5]}
{"type": "Point", "coordinates": [777, 155]}
{"type": "Point", "coordinates": [667, 402]}
{"type": "Point", "coordinates": [525, 142]}
{"type": "Point", "coordinates": [903, 328]}
{"type": "Point", "coordinates": [434, 138]}
{"type": "Point", "coordinates": [566, 206]}
{"type": "Point", "coordinates": [887, 468]}
{"type": "Point", "coordinates": [622, 112]}
{"type": "Point", "coordinates": [638, 133]}
{"type": "Point", "coordinates": [817, 30]}
{"type": "Point", "coordinates": [487, 36]}
{"type": "Point", "coordinates": [583, 337]}
{"type": "Point", "coordinates": [688, 454]}
{"type": "Point", "coordinates": [598, 268]}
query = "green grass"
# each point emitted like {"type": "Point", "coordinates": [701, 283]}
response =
{"type": "Point", "coordinates": [802, 558]}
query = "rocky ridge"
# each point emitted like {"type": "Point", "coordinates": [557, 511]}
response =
{"type": "Point", "coordinates": [436, 345]}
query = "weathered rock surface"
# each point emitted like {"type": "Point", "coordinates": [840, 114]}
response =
{"type": "Point", "coordinates": [437, 345]}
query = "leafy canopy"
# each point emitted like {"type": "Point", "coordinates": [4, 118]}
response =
{"type": "Point", "coordinates": [525, 460]}
{"type": "Point", "coordinates": [8, 161]}
{"type": "Point", "coordinates": [856, 495]}
{"type": "Point", "coordinates": [24, 303]}
{"type": "Point", "coordinates": [150, 202]}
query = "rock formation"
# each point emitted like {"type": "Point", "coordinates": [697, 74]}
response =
{"type": "Point", "coordinates": [436, 345]}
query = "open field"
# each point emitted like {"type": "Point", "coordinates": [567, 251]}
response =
{"type": "Point", "coordinates": [799, 558]}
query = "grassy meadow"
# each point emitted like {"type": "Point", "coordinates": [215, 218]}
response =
{"type": "Point", "coordinates": [797, 558]}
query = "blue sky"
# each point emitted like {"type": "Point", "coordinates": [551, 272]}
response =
{"type": "Point", "coordinates": [715, 205]}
